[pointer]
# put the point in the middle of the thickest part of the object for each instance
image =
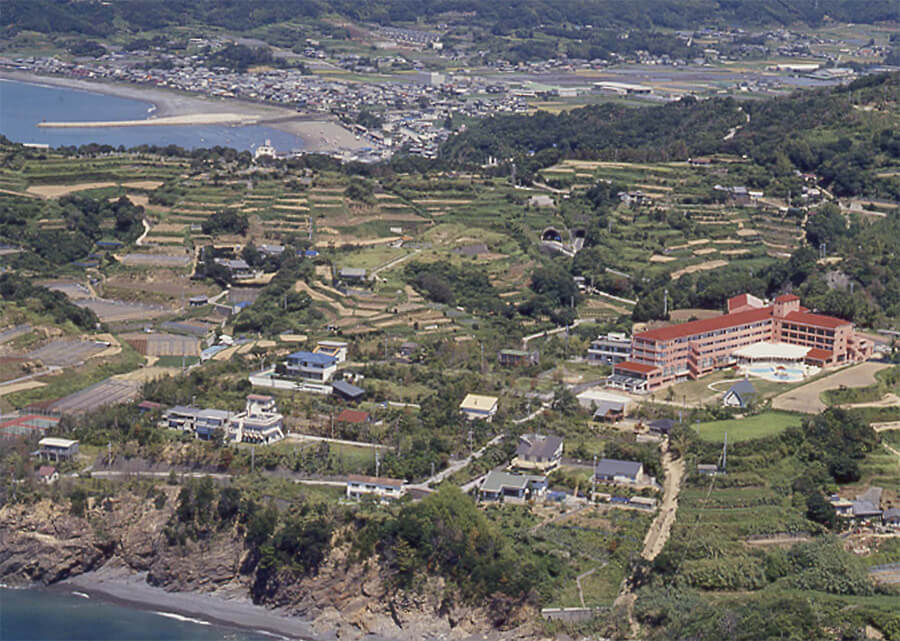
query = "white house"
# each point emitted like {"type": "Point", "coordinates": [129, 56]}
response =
{"type": "Point", "coordinates": [478, 407]}
{"type": "Point", "coordinates": [57, 448]}
{"type": "Point", "coordinates": [384, 489]}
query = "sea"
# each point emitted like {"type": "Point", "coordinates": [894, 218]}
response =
{"type": "Point", "coordinates": [23, 105]}
{"type": "Point", "coordinates": [57, 615]}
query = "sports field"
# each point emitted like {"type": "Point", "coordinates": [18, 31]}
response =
{"type": "Point", "coordinates": [746, 429]}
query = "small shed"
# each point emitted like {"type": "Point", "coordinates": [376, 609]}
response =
{"type": "Point", "coordinates": [661, 426]}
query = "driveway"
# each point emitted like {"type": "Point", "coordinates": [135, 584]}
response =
{"type": "Point", "coordinates": [806, 397]}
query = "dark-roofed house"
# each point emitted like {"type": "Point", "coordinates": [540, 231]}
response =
{"type": "Point", "coordinates": [181, 417]}
{"type": "Point", "coordinates": [661, 426]}
{"type": "Point", "coordinates": [518, 357]}
{"type": "Point", "coordinates": [891, 517]}
{"type": "Point", "coordinates": [609, 411]}
{"type": "Point", "coordinates": [538, 452]}
{"type": "Point", "coordinates": [741, 394]}
{"type": "Point", "coordinates": [616, 471]}
{"type": "Point", "coordinates": [499, 485]}
{"type": "Point", "coordinates": [383, 489]}
{"type": "Point", "coordinates": [347, 391]}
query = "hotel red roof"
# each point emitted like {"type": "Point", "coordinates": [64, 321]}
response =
{"type": "Point", "coordinates": [787, 298]}
{"type": "Point", "coordinates": [705, 325]}
{"type": "Point", "coordinates": [816, 320]}
{"type": "Point", "coordinates": [817, 354]}
{"type": "Point", "coordinates": [352, 416]}
{"type": "Point", "coordinates": [631, 366]}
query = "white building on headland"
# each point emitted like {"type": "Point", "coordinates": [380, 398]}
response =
{"type": "Point", "coordinates": [265, 150]}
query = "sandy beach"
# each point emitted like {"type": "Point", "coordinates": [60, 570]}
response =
{"type": "Point", "coordinates": [125, 588]}
{"type": "Point", "coordinates": [177, 108]}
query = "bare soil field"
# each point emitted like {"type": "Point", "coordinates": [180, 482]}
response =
{"type": "Point", "coordinates": [702, 267]}
{"type": "Point", "coordinates": [657, 258]}
{"type": "Point", "coordinates": [156, 260]}
{"type": "Point", "coordinates": [55, 191]}
{"type": "Point", "coordinates": [143, 184]}
{"type": "Point", "coordinates": [114, 311]}
{"type": "Point", "coordinates": [807, 399]}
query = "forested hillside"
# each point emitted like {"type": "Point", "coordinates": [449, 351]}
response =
{"type": "Point", "coordinates": [845, 134]}
{"type": "Point", "coordinates": [93, 17]}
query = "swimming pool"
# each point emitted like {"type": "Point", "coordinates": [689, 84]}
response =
{"type": "Point", "coordinates": [778, 373]}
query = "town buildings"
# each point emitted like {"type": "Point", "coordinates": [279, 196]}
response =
{"type": "Point", "coordinates": [662, 356]}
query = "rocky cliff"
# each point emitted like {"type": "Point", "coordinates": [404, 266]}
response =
{"type": "Point", "coordinates": [44, 543]}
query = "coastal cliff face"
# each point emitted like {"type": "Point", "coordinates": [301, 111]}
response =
{"type": "Point", "coordinates": [44, 543]}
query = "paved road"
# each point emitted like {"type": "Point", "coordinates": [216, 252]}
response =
{"type": "Point", "coordinates": [550, 332]}
{"type": "Point", "coordinates": [319, 439]}
{"type": "Point", "coordinates": [456, 466]}
{"type": "Point", "coordinates": [806, 397]}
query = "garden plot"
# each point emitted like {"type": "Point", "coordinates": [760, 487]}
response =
{"type": "Point", "coordinates": [113, 311]}
{"type": "Point", "coordinates": [67, 353]}
{"type": "Point", "coordinates": [156, 260]}
{"type": "Point", "coordinates": [56, 191]}
{"type": "Point", "coordinates": [102, 394]}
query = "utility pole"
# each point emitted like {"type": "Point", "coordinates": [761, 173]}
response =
{"type": "Point", "coordinates": [377, 462]}
{"type": "Point", "coordinates": [594, 478]}
{"type": "Point", "coordinates": [470, 442]}
{"type": "Point", "coordinates": [666, 302]}
{"type": "Point", "coordinates": [252, 458]}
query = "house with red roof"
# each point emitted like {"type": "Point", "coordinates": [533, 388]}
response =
{"type": "Point", "coordinates": [666, 355]}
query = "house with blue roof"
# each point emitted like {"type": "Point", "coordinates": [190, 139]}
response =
{"type": "Point", "coordinates": [311, 366]}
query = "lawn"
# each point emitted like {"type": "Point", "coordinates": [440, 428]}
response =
{"type": "Point", "coordinates": [746, 429]}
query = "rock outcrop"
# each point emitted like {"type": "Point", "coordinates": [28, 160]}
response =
{"type": "Point", "coordinates": [43, 543]}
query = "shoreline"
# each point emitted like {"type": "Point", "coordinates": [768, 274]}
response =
{"type": "Point", "coordinates": [129, 589]}
{"type": "Point", "coordinates": [319, 134]}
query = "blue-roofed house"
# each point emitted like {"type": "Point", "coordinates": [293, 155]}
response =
{"type": "Point", "coordinates": [310, 366]}
{"type": "Point", "coordinates": [741, 394]}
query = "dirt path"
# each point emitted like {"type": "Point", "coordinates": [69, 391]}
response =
{"type": "Point", "coordinates": [657, 535]}
{"type": "Point", "coordinates": [806, 398]}
{"type": "Point", "coordinates": [661, 527]}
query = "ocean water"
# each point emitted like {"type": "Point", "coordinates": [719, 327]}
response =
{"type": "Point", "coordinates": [56, 615]}
{"type": "Point", "coordinates": [23, 105]}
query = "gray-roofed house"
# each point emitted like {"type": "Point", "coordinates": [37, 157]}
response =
{"type": "Point", "coordinates": [868, 504]}
{"type": "Point", "coordinates": [741, 394]}
{"type": "Point", "coordinates": [538, 452]}
{"type": "Point", "coordinates": [616, 471]}
{"type": "Point", "coordinates": [609, 411]}
{"type": "Point", "coordinates": [347, 391]}
{"type": "Point", "coordinates": [352, 274]}
{"type": "Point", "coordinates": [499, 485]}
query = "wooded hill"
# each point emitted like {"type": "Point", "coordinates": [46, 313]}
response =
{"type": "Point", "coordinates": [845, 135]}
{"type": "Point", "coordinates": [93, 17]}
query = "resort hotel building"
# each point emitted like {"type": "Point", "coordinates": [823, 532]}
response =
{"type": "Point", "coordinates": [772, 336]}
